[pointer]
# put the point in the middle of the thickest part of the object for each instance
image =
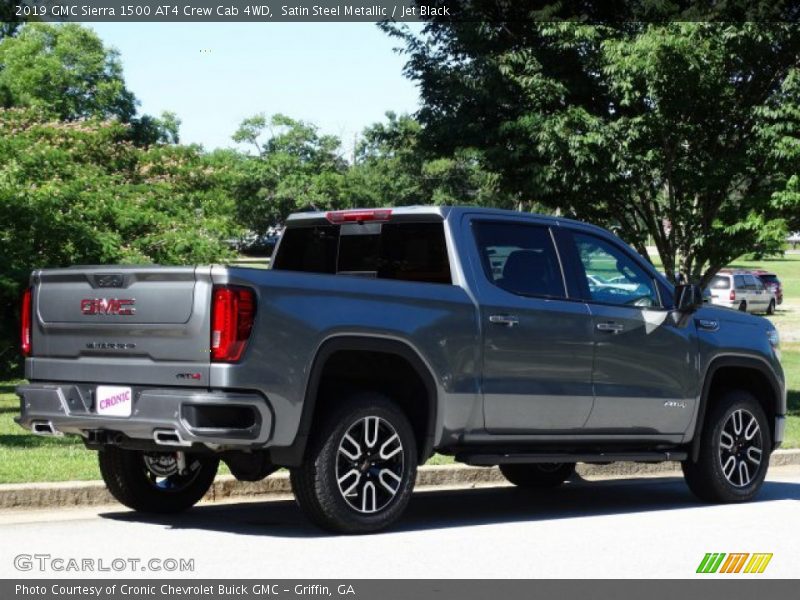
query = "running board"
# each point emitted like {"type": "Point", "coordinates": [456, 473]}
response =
{"type": "Point", "coordinates": [487, 460]}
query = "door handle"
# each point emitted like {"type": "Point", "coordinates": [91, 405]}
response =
{"type": "Point", "coordinates": [610, 327]}
{"type": "Point", "coordinates": [507, 320]}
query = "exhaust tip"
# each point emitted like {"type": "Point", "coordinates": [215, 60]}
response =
{"type": "Point", "coordinates": [44, 428]}
{"type": "Point", "coordinates": [169, 437]}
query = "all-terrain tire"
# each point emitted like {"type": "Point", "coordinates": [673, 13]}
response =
{"type": "Point", "coordinates": [718, 476]}
{"type": "Point", "coordinates": [131, 482]}
{"type": "Point", "coordinates": [538, 475]}
{"type": "Point", "coordinates": [332, 464]}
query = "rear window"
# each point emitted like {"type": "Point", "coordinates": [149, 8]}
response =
{"type": "Point", "coordinates": [720, 283]}
{"type": "Point", "coordinates": [400, 251]}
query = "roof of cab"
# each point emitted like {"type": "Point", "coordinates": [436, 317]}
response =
{"type": "Point", "coordinates": [445, 213]}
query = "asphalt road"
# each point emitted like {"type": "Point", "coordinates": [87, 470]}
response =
{"type": "Point", "coordinates": [650, 527]}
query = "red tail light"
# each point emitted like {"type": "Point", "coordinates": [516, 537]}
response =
{"type": "Point", "coordinates": [733, 295]}
{"type": "Point", "coordinates": [25, 323]}
{"type": "Point", "coordinates": [233, 310]}
{"type": "Point", "coordinates": [358, 216]}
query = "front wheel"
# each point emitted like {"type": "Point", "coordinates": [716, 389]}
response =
{"type": "Point", "coordinates": [359, 472]}
{"type": "Point", "coordinates": [734, 451]}
{"type": "Point", "coordinates": [156, 482]}
{"type": "Point", "coordinates": [538, 475]}
{"type": "Point", "coordinates": [771, 308]}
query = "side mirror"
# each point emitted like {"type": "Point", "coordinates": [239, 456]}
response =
{"type": "Point", "coordinates": [688, 297]}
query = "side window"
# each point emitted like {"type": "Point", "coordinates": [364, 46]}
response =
{"type": "Point", "coordinates": [519, 258]}
{"type": "Point", "coordinates": [612, 276]}
{"type": "Point", "coordinates": [751, 282]}
{"type": "Point", "coordinates": [738, 282]}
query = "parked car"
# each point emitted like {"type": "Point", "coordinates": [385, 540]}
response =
{"type": "Point", "coordinates": [772, 283]}
{"type": "Point", "coordinates": [794, 239]}
{"type": "Point", "coordinates": [381, 336]}
{"type": "Point", "coordinates": [741, 290]}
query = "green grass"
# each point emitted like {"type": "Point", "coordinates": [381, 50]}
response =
{"type": "Point", "coordinates": [29, 458]}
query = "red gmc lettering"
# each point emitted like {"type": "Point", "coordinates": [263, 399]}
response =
{"type": "Point", "coordinates": [108, 306]}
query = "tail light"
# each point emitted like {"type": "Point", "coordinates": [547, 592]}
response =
{"type": "Point", "coordinates": [25, 323]}
{"type": "Point", "coordinates": [233, 310]}
{"type": "Point", "coordinates": [732, 296]}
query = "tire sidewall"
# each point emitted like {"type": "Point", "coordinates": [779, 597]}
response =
{"type": "Point", "coordinates": [360, 406]}
{"type": "Point", "coordinates": [736, 401]}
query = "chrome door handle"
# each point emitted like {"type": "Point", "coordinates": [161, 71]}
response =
{"type": "Point", "coordinates": [507, 320]}
{"type": "Point", "coordinates": [610, 327]}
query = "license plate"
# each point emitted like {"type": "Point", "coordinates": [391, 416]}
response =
{"type": "Point", "coordinates": [113, 401]}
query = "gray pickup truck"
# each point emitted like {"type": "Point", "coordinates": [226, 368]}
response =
{"type": "Point", "coordinates": [381, 336]}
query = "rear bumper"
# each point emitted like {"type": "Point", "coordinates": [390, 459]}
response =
{"type": "Point", "coordinates": [164, 416]}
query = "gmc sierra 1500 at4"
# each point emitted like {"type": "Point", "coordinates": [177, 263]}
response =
{"type": "Point", "coordinates": [381, 336]}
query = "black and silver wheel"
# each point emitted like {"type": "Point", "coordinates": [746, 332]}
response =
{"type": "Point", "coordinates": [734, 451]}
{"type": "Point", "coordinates": [771, 308]}
{"type": "Point", "coordinates": [157, 482]}
{"type": "Point", "coordinates": [359, 470]}
{"type": "Point", "coordinates": [538, 475]}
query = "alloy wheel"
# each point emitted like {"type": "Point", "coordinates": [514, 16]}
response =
{"type": "Point", "coordinates": [741, 448]}
{"type": "Point", "coordinates": [369, 464]}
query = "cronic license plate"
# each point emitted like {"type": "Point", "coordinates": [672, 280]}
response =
{"type": "Point", "coordinates": [113, 401]}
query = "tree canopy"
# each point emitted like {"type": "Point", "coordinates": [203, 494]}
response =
{"type": "Point", "coordinates": [683, 133]}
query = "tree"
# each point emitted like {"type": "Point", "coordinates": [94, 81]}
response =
{"type": "Point", "coordinates": [393, 168]}
{"type": "Point", "coordinates": [685, 133]}
{"type": "Point", "coordinates": [80, 192]}
{"type": "Point", "coordinates": [294, 168]}
{"type": "Point", "coordinates": [65, 70]}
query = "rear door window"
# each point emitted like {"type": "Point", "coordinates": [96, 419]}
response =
{"type": "Point", "coordinates": [738, 282]}
{"type": "Point", "coordinates": [520, 258]}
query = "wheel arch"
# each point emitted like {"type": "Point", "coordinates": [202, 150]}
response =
{"type": "Point", "coordinates": [749, 373]}
{"type": "Point", "coordinates": [380, 350]}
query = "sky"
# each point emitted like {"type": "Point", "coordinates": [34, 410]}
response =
{"type": "Point", "coordinates": [339, 76]}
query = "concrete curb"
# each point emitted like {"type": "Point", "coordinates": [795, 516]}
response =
{"type": "Point", "coordinates": [94, 493]}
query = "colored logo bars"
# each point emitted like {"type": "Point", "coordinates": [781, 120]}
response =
{"type": "Point", "coordinates": [737, 562]}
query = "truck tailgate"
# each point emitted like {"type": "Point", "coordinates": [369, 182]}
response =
{"type": "Point", "coordinates": [136, 323]}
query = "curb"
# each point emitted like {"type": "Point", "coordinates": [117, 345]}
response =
{"type": "Point", "coordinates": [94, 493]}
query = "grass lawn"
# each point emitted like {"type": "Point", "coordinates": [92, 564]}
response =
{"type": "Point", "coordinates": [28, 458]}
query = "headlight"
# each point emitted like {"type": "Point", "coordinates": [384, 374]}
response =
{"type": "Point", "coordinates": [775, 341]}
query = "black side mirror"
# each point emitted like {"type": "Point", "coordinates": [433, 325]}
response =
{"type": "Point", "coordinates": [688, 297]}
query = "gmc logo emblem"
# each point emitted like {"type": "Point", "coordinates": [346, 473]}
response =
{"type": "Point", "coordinates": [108, 306]}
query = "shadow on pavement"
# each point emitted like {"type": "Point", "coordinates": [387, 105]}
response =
{"type": "Point", "coordinates": [462, 508]}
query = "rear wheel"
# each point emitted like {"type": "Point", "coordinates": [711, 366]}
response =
{"type": "Point", "coordinates": [538, 475]}
{"type": "Point", "coordinates": [743, 306]}
{"type": "Point", "coordinates": [734, 451]}
{"type": "Point", "coordinates": [359, 472]}
{"type": "Point", "coordinates": [156, 482]}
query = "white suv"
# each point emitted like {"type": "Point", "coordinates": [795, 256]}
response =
{"type": "Point", "coordinates": [741, 290]}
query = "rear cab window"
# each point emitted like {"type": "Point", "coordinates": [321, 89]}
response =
{"type": "Point", "coordinates": [411, 251]}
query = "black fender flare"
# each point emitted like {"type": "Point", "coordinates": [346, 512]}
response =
{"type": "Point", "coordinates": [293, 455]}
{"type": "Point", "coordinates": [744, 362]}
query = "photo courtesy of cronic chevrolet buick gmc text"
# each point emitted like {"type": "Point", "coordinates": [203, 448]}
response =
{"type": "Point", "coordinates": [381, 336]}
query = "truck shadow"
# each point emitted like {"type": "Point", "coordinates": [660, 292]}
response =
{"type": "Point", "coordinates": [431, 510]}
